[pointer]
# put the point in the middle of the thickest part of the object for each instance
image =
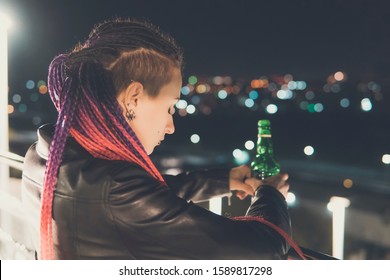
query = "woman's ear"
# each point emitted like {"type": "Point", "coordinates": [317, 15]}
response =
{"type": "Point", "coordinates": [128, 98]}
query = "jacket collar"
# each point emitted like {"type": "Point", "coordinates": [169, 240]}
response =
{"type": "Point", "coordinates": [45, 136]}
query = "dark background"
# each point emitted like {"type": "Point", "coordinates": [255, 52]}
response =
{"type": "Point", "coordinates": [310, 40]}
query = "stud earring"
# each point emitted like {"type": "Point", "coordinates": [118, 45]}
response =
{"type": "Point", "coordinates": [130, 115]}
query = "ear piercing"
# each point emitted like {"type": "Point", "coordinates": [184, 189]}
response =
{"type": "Point", "coordinates": [130, 115]}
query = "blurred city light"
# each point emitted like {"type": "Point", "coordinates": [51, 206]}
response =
{"type": "Point", "coordinates": [339, 76]}
{"type": "Point", "coordinates": [271, 109]}
{"type": "Point", "coordinates": [308, 150]}
{"type": "Point", "coordinates": [291, 199]}
{"type": "Point", "coordinates": [249, 145]}
{"type": "Point", "coordinates": [222, 94]}
{"type": "Point", "coordinates": [191, 109]}
{"type": "Point", "coordinates": [366, 104]}
{"type": "Point", "coordinates": [241, 157]}
{"type": "Point", "coordinates": [344, 102]}
{"type": "Point", "coordinates": [386, 159]}
{"type": "Point", "coordinates": [181, 104]}
{"type": "Point", "coordinates": [195, 138]}
{"type": "Point", "coordinates": [347, 183]}
{"type": "Point", "coordinates": [192, 80]}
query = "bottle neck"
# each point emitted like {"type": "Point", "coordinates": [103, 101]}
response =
{"type": "Point", "coordinates": [264, 143]}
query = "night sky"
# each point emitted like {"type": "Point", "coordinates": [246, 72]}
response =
{"type": "Point", "coordinates": [245, 38]}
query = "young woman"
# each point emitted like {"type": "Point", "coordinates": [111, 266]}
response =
{"type": "Point", "coordinates": [90, 188]}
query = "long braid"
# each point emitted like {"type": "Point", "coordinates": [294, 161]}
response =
{"type": "Point", "coordinates": [64, 121]}
{"type": "Point", "coordinates": [83, 90]}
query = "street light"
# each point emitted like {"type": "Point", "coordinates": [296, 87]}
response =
{"type": "Point", "coordinates": [5, 23]}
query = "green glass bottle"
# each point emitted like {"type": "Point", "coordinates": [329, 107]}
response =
{"type": "Point", "coordinates": [264, 165]}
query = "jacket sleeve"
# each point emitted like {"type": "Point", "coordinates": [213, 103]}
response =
{"type": "Point", "coordinates": [154, 223]}
{"type": "Point", "coordinates": [200, 185]}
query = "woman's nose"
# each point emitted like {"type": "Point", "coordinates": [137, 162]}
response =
{"type": "Point", "coordinates": [170, 128]}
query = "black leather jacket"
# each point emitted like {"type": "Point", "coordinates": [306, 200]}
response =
{"type": "Point", "coordinates": [115, 210]}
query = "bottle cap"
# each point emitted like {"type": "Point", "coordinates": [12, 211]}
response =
{"type": "Point", "coordinates": [264, 123]}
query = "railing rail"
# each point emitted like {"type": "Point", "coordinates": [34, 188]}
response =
{"type": "Point", "coordinates": [11, 159]}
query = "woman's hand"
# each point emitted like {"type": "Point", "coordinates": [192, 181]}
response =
{"type": "Point", "coordinates": [277, 181]}
{"type": "Point", "coordinates": [237, 177]}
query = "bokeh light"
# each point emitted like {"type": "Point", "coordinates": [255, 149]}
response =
{"type": "Point", "coordinates": [291, 199]}
{"type": "Point", "coordinates": [195, 138]}
{"type": "Point", "coordinates": [366, 104]}
{"type": "Point", "coordinates": [271, 109]}
{"type": "Point", "coordinates": [30, 84]}
{"type": "Point", "coordinates": [344, 103]}
{"type": "Point", "coordinates": [308, 150]}
{"type": "Point", "coordinates": [347, 183]}
{"type": "Point", "coordinates": [191, 109]}
{"type": "Point", "coordinates": [386, 159]}
{"type": "Point", "coordinates": [249, 145]}
{"type": "Point", "coordinates": [192, 80]}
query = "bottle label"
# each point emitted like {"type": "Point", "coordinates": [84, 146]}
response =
{"type": "Point", "coordinates": [264, 135]}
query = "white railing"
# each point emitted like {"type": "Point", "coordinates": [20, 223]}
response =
{"type": "Point", "coordinates": [14, 238]}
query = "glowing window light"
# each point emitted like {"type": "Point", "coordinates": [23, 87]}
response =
{"type": "Point", "coordinates": [386, 159]}
{"type": "Point", "coordinates": [192, 80]}
{"type": "Point", "coordinates": [249, 145]}
{"type": "Point", "coordinates": [318, 107]}
{"type": "Point", "coordinates": [344, 103]}
{"type": "Point", "coordinates": [366, 104]}
{"type": "Point", "coordinates": [347, 183]}
{"type": "Point", "coordinates": [222, 94]}
{"type": "Point", "coordinates": [30, 84]}
{"type": "Point", "coordinates": [271, 109]}
{"type": "Point", "coordinates": [339, 76]}
{"type": "Point", "coordinates": [195, 138]}
{"type": "Point", "coordinates": [291, 198]}
{"type": "Point", "coordinates": [241, 157]}
{"type": "Point", "coordinates": [16, 98]}
{"type": "Point", "coordinates": [185, 90]}
{"type": "Point", "coordinates": [181, 104]}
{"type": "Point", "coordinates": [253, 94]}
{"type": "Point", "coordinates": [191, 109]}
{"type": "Point", "coordinates": [249, 103]}
{"type": "Point", "coordinates": [308, 150]}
